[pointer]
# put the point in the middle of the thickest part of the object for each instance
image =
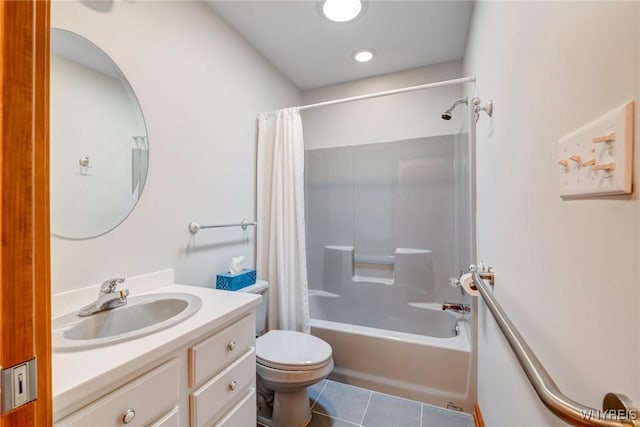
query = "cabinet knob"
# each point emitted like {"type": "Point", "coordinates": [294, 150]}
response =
{"type": "Point", "coordinates": [233, 385]}
{"type": "Point", "coordinates": [231, 346]}
{"type": "Point", "coordinates": [128, 416]}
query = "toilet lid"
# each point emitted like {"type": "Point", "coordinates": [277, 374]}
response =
{"type": "Point", "coordinates": [290, 350]}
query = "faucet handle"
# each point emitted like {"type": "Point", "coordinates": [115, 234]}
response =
{"type": "Point", "coordinates": [110, 285]}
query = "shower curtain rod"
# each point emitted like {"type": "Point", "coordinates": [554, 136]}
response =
{"type": "Point", "coordinates": [388, 92]}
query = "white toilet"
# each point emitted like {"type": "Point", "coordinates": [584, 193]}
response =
{"type": "Point", "coordinates": [287, 363]}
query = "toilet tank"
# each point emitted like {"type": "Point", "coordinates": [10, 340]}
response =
{"type": "Point", "coordinates": [259, 288]}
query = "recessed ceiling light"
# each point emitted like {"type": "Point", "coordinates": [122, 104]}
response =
{"type": "Point", "coordinates": [341, 10]}
{"type": "Point", "coordinates": [364, 55]}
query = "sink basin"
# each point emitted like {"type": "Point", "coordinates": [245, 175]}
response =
{"type": "Point", "coordinates": [143, 315]}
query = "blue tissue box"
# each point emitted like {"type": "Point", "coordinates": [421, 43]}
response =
{"type": "Point", "coordinates": [235, 281]}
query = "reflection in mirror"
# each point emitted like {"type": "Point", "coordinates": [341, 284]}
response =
{"type": "Point", "coordinates": [99, 145]}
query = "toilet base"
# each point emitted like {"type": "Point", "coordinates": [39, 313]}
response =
{"type": "Point", "coordinates": [291, 408]}
{"type": "Point", "coordinates": [284, 408]}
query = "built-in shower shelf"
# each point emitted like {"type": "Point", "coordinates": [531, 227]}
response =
{"type": "Point", "coordinates": [366, 279]}
{"type": "Point", "coordinates": [374, 259]}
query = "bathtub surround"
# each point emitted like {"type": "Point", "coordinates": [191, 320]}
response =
{"type": "Point", "coordinates": [567, 271]}
{"type": "Point", "coordinates": [379, 198]}
{"type": "Point", "coordinates": [281, 248]}
{"type": "Point", "coordinates": [200, 86]}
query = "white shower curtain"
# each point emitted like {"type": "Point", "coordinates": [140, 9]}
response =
{"type": "Point", "coordinates": [281, 249]}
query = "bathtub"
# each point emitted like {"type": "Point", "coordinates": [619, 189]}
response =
{"type": "Point", "coordinates": [415, 350]}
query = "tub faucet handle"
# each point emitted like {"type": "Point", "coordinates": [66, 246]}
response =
{"type": "Point", "coordinates": [456, 307]}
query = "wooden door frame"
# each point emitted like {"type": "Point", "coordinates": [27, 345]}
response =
{"type": "Point", "coordinates": [42, 243]}
{"type": "Point", "coordinates": [25, 290]}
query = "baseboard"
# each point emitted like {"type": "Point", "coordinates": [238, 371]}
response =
{"type": "Point", "coordinates": [477, 417]}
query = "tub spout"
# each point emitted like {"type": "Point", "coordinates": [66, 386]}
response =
{"type": "Point", "coordinates": [458, 308]}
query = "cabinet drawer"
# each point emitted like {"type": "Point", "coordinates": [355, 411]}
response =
{"type": "Point", "coordinates": [170, 419]}
{"type": "Point", "coordinates": [210, 356]}
{"type": "Point", "coordinates": [243, 414]}
{"type": "Point", "coordinates": [222, 391]}
{"type": "Point", "coordinates": [147, 396]}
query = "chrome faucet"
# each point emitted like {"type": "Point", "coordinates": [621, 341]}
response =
{"type": "Point", "coordinates": [457, 307]}
{"type": "Point", "coordinates": [108, 298]}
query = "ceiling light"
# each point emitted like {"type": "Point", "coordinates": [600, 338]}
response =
{"type": "Point", "coordinates": [364, 55]}
{"type": "Point", "coordinates": [341, 10]}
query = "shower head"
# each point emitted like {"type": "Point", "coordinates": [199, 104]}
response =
{"type": "Point", "coordinates": [447, 114]}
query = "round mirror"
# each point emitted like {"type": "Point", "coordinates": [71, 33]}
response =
{"type": "Point", "coordinates": [99, 145]}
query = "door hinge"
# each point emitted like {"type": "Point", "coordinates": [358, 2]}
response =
{"type": "Point", "coordinates": [19, 385]}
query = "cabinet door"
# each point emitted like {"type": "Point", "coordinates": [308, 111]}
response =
{"type": "Point", "coordinates": [137, 403]}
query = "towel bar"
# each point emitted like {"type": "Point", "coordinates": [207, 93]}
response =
{"type": "Point", "coordinates": [194, 226]}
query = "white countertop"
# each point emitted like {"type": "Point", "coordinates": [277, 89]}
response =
{"type": "Point", "coordinates": [79, 375]}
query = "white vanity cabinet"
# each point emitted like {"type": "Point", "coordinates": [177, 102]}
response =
{"type": "Point", "coordinates": [222, 373]}
{"type": "Point", "coordinates": [138, 403]}
{"type": "Point", "coordinates": [209, 381]}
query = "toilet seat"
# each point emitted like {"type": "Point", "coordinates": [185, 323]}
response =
{"type": "Point", "coordinates": [292, 351]}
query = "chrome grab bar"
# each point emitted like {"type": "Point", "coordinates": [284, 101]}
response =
{"type": "Point", "coordinates": [618, 410]}
{"type": "Point", "coordinates": [194, 226]}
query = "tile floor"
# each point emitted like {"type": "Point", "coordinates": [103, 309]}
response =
{"type": "Point", "coordinates": [340, 405]}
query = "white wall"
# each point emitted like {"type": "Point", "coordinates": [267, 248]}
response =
{"type": "Point", "coordinates": [567, 271]}
{"type": "Point", "coordinates": [200, 86]}
{"type": "Point", "coordinates": [386, 119]}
